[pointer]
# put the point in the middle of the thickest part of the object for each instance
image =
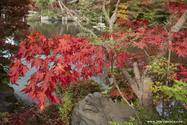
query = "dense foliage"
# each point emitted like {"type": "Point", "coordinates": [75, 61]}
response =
{"type": "Point", "coordinates": [12, 15]}
{"type": "Point", "coordinates": [136, 54]}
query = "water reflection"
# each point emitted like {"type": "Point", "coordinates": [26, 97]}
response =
{"type": "Point", "coordinates": [59, 27]}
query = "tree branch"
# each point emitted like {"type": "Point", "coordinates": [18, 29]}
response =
{"type": "Point", "coordinates": [180, 22]}
{"type": "Point", "coordinates": [136, 72]}
{"type": "Point", "coordinates": [131, 82]}
{"type": "Point", "coordinates": [73, 17]}
{"type": "Point", "coordinates": [104, 11]}
{"type": "Point", "coordinates": [175, 28]}
{"type": "Point", "coordinates": [113, 18]}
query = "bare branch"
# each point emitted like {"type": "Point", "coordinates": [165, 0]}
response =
{"type": "Point", "coordinates": [104, 10]}
{"type": "Point", "coordinates": [146, 54]}
{"type": "Point", "coordinates": [114, 16]}
{"type": "Point", "coordinates": [175, 28]}
{"type": "Point", "coordinates": [60, 6]}
{"type": "Point", "coordinates": [180, 22]}
{"type": "Point", "coordinates": [131, 82]}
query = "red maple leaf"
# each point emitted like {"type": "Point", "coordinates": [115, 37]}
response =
{"type": "Point", "coordinates": [41, 97]}
{"type": "Point", "coordinates": [36, 61]}
{"type": "Point", "coordinates": [59, 69]}
{"type": "Point", "coordinates": [48, 76]}
{"type": "Point", "coordinates": [24, 69]}
{"type": "Point", "coordinates": [13, 71]}
{"type": "Point", "coordinates": [39, 76]}
{"type": "Point", "coordinates": [44, 85]}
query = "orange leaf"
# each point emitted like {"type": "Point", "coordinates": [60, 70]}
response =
{"type": "Point", "coordinates": [42, 107]}
{"type": "Point", "coordinates": [25, 89]}
{"type": "Point", "coordinates": [147, 91]}
{"type": "Point", "coordinates": [123, 11]}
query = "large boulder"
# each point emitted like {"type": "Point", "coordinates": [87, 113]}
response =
{"type": "Point", "coordinates": [95, 109]}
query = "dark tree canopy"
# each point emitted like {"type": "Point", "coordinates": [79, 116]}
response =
{"type": "Point", "coordinates": [12, 16]}
{"type": "Point", "coordinates": [13, 25]}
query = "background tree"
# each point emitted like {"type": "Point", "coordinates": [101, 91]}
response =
{"type": "Point", "coordinates": [12, 25]}
{"type": "Point", "coordinates": [45, 5]}
{"type": "Point", "coordinates": [12, 16]}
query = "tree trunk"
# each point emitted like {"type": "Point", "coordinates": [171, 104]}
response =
{"type": "Point", "coordinates": [140, 86]}
{"type": "Point", "coordinates": [145, 99]}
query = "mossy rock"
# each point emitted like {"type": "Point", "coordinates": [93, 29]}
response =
{"type": "Point", "coordinates": [6, 88]}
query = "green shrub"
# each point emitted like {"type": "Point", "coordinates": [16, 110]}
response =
{"type": "Point", "coordinates": [148, 119]}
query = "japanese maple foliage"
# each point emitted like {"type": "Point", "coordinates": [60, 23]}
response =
{"type": "Point", "coordinates": [55, 67]}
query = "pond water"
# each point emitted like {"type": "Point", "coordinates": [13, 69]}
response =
{"type": "Point", "coordinates": [59, 27]}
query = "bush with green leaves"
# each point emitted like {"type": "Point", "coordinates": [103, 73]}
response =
{"type": "Point", "coordinates": [165, 88]}
{"type": "Point", "coordinates": [35, 17]}
{"type": "Point", "coordinates": [176, 115]}
{"type": "Point", "coordinates": [144, 116]}
{"type": "Point", "coordinates": [71, 94]}
{"type": "Point", "coordinates": [152, 12]}
{"type": "Point", "coordinates": [49, 13]}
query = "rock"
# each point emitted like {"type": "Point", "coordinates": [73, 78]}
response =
{"type": "Point", "coordinates": [17, 97]}
{"type": "Point", "coordinates": [6, 88]}
{"type": "Point", "coordinates": [95, 109]}
{"type": "Point", "coordinates": [28, 102]}
{"type": "Point", "coordinates": [6, 99]}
